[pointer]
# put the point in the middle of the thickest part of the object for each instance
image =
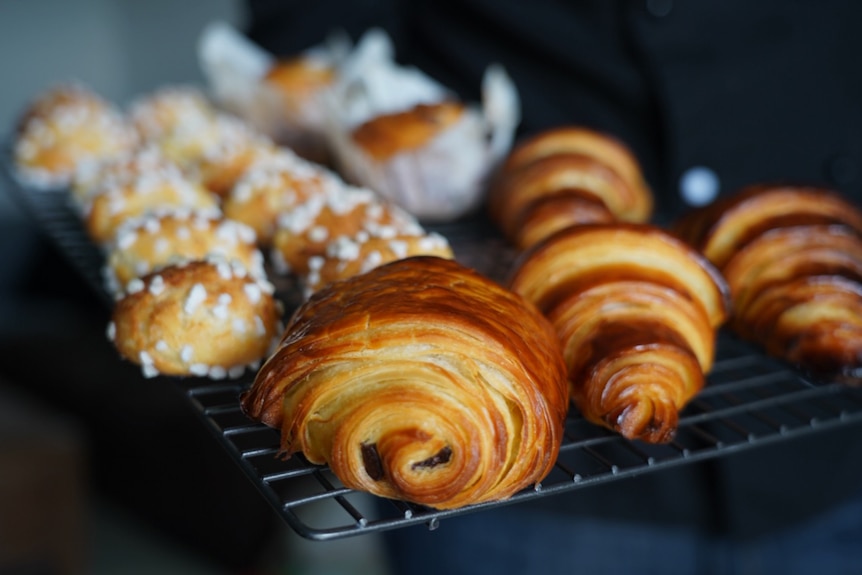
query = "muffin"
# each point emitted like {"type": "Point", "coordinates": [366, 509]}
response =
{"type": "Point", "coordinates": [396, 131]}
{"type": "Point", "coordinates": [280, 96]}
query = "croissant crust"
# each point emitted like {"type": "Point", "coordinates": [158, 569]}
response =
{"type": "Point", "coordinates": [567, 176]}
{"type": "Point", "coordinates": [792, 256]}
{"type": "Point", "coordinates": [420, 380]}
{"type": "Point", "coordinates": [636, 312]}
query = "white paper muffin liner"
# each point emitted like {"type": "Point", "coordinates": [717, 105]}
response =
{"type": "Point", "coordinates": [235, 68]}
{"type": "Point", "coordinates": [446, 178]}
{"type": "Point", "coordinates": [442, 181]}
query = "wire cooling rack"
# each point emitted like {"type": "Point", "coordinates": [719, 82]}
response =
{"type": "Point", "coordinates": [750, 400]}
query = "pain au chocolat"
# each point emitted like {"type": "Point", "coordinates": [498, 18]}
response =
{"type": "Point", "coordinates": [420, 380]}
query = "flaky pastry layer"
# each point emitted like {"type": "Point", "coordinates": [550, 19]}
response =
{"type": "Point", "coordinates": [420, 380]}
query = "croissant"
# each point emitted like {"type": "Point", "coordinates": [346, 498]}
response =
{"type": "Point", "coordinates": [420, 380]}
{"type": "Point", "coordinates": [578, 139]}
{"type": "Point", "coordinates": [636, 312]}
{"type": "Point", "coordinates": [792, 257]}
{"type": "Point", "coordinates": [546, 215]}
{"type": "Point", "coordinates": [567, 176]}
{"type": "Point", "coordinates": [720, 229]}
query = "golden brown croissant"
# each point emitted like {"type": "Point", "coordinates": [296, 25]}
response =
{"type": "Point", "coordinates": [580, 140]}
{"type": "Point", "coordinates": [553, 212]}
{"type": "Point", "coordinates": [720, 229]}
{"type": "Point", "coordinates": [420, 380]}
{"type": "Point", "coordinates": [560, 163]}
{"type": "Point", "coordinates": [636, 312]}
{"type": "Point", "coordinates": [792, 257]}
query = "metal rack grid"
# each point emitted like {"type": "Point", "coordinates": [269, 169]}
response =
{"type": "Point", "coordinates": [750, 400]}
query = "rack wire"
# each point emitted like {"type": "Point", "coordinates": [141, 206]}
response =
{"type": "Point", "coordinates": [750, 400]}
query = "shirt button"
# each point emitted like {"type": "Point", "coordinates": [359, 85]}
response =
{"type": "Point", "coordinates": [659, 8]}
{"type": "Point", "coordinates": [698, 186]}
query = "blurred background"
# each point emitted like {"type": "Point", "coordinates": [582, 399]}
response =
{"type": "Point", "coordinates": [101, 471]}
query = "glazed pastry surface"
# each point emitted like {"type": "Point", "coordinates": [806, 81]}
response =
{"type": "Point", "coordinates": [567, 176]}
{"type": "Point", "coordinates": [420, 380]}
{"type": "Point", "coordinates": [636, 312]}
{"type": "Point", "coordinates": [792, 257]}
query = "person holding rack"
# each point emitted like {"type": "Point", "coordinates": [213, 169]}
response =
{"type": "Point", "coordinates": [710, 97]}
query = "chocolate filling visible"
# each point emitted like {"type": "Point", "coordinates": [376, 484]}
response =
{"type": "Point", "coordinates": [371, 460]}
{"type": "Point", "coordinates": [442, 456]}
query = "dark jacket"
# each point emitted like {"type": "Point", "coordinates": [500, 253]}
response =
{"type": "Point", "coordinates": [753, 91]}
